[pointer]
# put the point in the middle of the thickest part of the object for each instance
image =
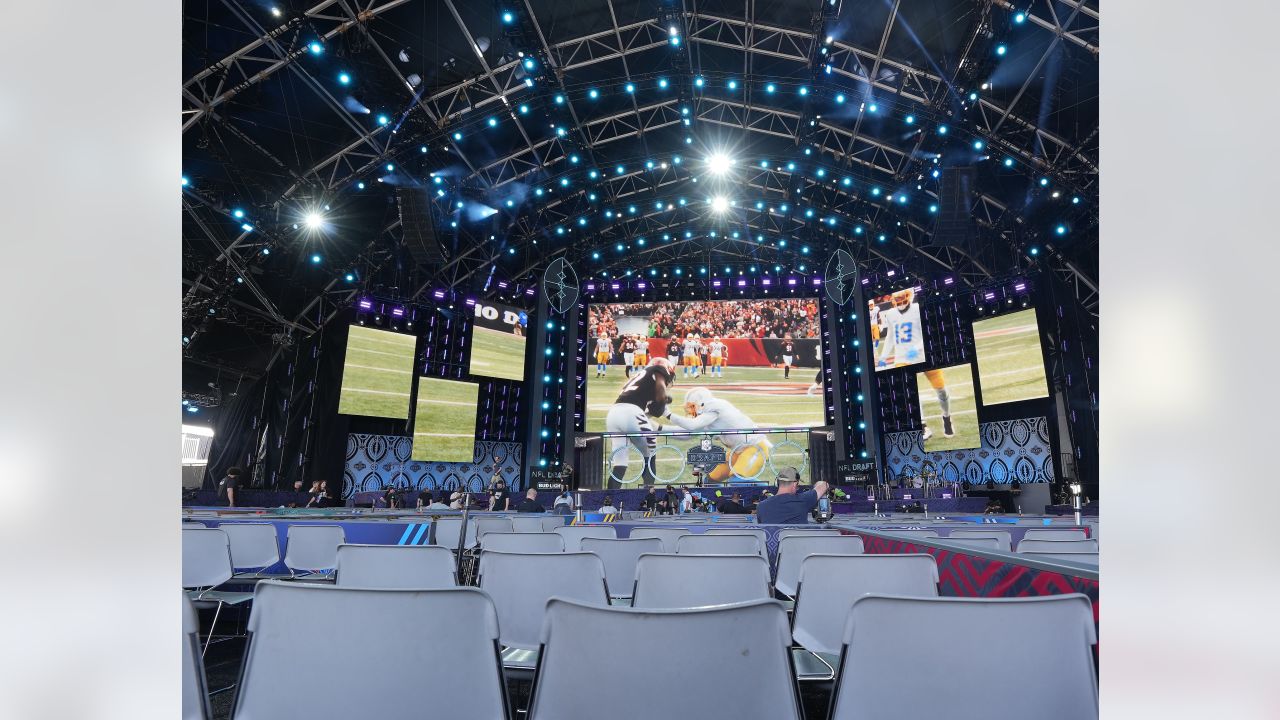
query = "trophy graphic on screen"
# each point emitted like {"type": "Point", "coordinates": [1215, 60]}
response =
{"type": "Point", "coordinates": [842, 277]}
{"type": "Point", "coordinates": [560, 284]}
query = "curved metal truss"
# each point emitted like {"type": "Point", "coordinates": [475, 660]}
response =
{"type": "Point", "coordinates": [858, 71]}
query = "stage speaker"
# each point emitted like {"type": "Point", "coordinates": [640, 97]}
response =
{"type": "Point", "coordinates": [822, 456]}
{"type": "Point", "coordinates": [588, 462]}
{"type": "Point", "coordinates": [418, 229]}
{"type": "Point", "coordinates": [955, 223]}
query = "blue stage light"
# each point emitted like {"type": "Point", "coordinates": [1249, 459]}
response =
{"type": "Point", "coordinates": [978, 145]}
{"type": "Point", "coordinates": [1075, 200]}
{"type": "Point", "coordinates": [350, 277]}
{"type": "Point", "coordinates": [559, 99]}
{"type": "Point", "coordinates": [1008, 162]}
{"type": "Point", "coordinates": [675, 41]}
{"type": "Point", "coordinates": [1044, 182]}
{"type": "Point", "coordinates": [315, 48]}
{"type": "Point", "coordinates": [344, 78]}
{"type": "Point", "coordinates": [857, 230]}
{"type": "Point", "coordinates": [933, 208]}
{"type": "Point", "coordinates": [733, 84]}
{"type": "Point", "coordinates": [675, 159]}
{"type": "Point", "coordinates": [662, 83]}
{"type": "Point", "coordinates": [315, 258]}
{"type": "Point", "coordinates": [530, 63]}
{"type": "Point", "coordinates": [561, 132]}
{"type": "Point", "coordinates": [360, 185]}
{"type": "Point", "coordinates": [770, 88]}
{"type": "Point", "coordinates": [457, 136]}
{"type": "Point", "coordinates": [185, 181]}
{"type": "Point", "coordinates": [1034, 251]}
{"type": "Point", "coordinates": [1061, 230]}
{"type": "Point", "coordinates": [698, 82]}
{"type": "Point", "coordinates": [840, 98]}
{"type": "Point", "coordinates": [1001, 49]}
{"type": "Point", "coordinates": [524, 109]}
{"type": "Point", "coordinates": [803, 90]}
{"type": "Point", "coordinates": [593, 93]}
{"type": "Point", "coordinates": [383, 119]}
{"type": "Point", "coordinates": [508, 17]}
{"type": "Point", "coordinates": [935, 173]}
{"type": "Point", "coordinates": [911, 119]}
{"type": "Point", "coordinates": [875, 191]}
{"type": "Point", "coordinates": [1020, 18]}
{"type": "Point", "coordinates": [942, 129]}
{"type": "Point", "coordinates": [973, 96]}
{"type": "Point", "coordinates": [902, 199]}
{"type": "Point", "coordinates": [872, 107]}
{"type": "Point", "coordinates": [493, 122]}
{"type": "Point", "coordinates": [595, 256]}
{"type": "Point", "coordinates": [237, 213]}
{"type": "Point", "coordinates": [630, 87]}
{"type": "Point", "coordinates": [582, 221]}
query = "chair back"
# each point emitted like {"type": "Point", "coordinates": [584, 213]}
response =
{"type": "Point", "coordinates": [294, 643]}
{"type": "Point", "coordinates": [411, 567]}
{"type": "Point", "coordinates": [830, 583]}
{"type": "Point", "coordinates": [911, 533]}
{"type": "Point", "coordinates": [805, 532]}
{"type": "Point", "coordinates": [520, 586]}
{"type": "Point", "coordinates": [1084, 558]}
{"type": "Point", "coordinates": [1058, 546]}
{"type": "Point", "coordinates": [1002, 538]}
{"type": "Point", "coordinates": [668, 536]}
{"type": "Point", "coordinates": [195, 690]}
{"type": "Point", "coordinates": [738, 544]}
{"type": "Point", "coordinates": [686, 581]}
{"type": "Point", "coordinates": [620, 558]}
{"type": "Point", "coordinates": [493, 524]}
{"type": "Point", "coordinates": [313, 547]}
{"type": "Point", "coordinates": [1054, 534]}
{"type": "Point", "coordinates": [980, 543]}
{"type": "Point", "coordinates": [793, 549]}
{"type": "Point", "coordinates": [253, 545]}
{"type": "Point", "coordinates": [529, 542]}
{"type": "Point", "coordinates": [1047, 638]}
{"type": "Point", "coordinates": [746, 659]}
{"type": "Point", "coordinates": [550, 523]}
{"type": "Point", "coordinates": [572, 534]}
{"type": "Point", "coordinates": [206, 557]}
{"type": "Point", "coordinates": [527, 523]}
{"type": "Point", "coordinates": [449, 528]}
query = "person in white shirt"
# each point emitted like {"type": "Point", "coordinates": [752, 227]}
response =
{"type": "Point", "coordinates": [686, 502]}
{"type": "Point", "coordinates": [608, 508]}
{"type": "Point", "coordinates": [718, 353]}
{"type": "Point", "coordinates": [604, 351]}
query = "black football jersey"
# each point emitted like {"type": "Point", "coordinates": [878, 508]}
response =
{"type": "Point", "coordinates": [788, 349]}
{"type": "Point", "coordinates": [673, 349]}
{"type": "Point", "coordinates": [642, 391]}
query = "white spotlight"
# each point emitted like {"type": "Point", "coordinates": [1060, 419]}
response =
{"type": "Point", "coordinates": [719, 204]}
{"type": "Point", "coordinates": [719, 163]}
{"type": "Point", "coordinates": [314, 220]}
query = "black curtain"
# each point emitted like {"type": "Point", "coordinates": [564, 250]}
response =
{"type": "Point", "coordinates": [235, 434]}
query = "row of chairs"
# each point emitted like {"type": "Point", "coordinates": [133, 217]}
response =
{"type": "Point", "coordinates": [1046, 544]}
{"type": "Point", "coordinates": [745, 646]}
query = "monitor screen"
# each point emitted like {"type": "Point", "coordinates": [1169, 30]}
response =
{"type": "Point", "coordinates": [497, 341]}
{"type": "Point", "coordinates": [444, 427]}
{"type": "Point", "coordinates": [377, 374]}
{"type": "Point", "coordinates": [948, 409]}
{"type": "Point", "coordinates": [897, 336]}
{"type": "Point", "coordinates": [737, 364]}
{"type": "Point", "coordinates": [1010, 358]}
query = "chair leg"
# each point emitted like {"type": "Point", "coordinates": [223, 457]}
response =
{"type": "Point", "coordinates": [212, 626]}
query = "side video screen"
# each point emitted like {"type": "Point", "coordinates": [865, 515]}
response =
{"type": "Point", "coordinates": [377, 374]}
{"type": "Point", "coordinates": [1010, 358]}
{"type": "Point", "coordinates": [897, 337]}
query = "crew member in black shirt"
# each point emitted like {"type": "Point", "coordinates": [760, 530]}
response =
{"type": "Point", "coordinates": [650, 501]}
{"type": "Point", "coordinates": [229, 486]}
{"type": "Point", "coordinates": [530, 503]}
{"type": "Point", "coordinates": [733, 506]}
{"type": "Point", "coordinates": [499, 497]}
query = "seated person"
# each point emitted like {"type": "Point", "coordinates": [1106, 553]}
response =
{"type": "Point", "coordinates": [650, 501]}
{"type": "Point", "coordinates": [733, 506]}
{"type": "Point", "coordinates": [790, 506]}
{"type": "Point", "coordinates": [608, 508]}
{"type": "Point", "coordinates": [457, 499]}
{"type": "Point", "coordinates": [530, 503]}
{"type": "Point", "coordinates": [993, 507]}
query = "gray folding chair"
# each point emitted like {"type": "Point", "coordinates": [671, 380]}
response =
{"type": "Point", "coordinates": [911, 533]}
{"type": "Point", "coordinates": [492, 524]}
{"type": "Point", "coordinates": [741, 646]}
{"type": "Point", "coordinates": [454, 662]}
{"type": "Point", "coordinates": [448, 529]}
{"type": "Point", "coordinates": [574, 533]}
{"type": "Point", "coordinates": [254, 547]}
{"type": "Point", "coordinates": [527, 523]}
{"type": "Point", "coordinates": [1058, 546]}
{"type": "Point", "coordinates": [685, 581]}
{"type": "Point", "coordinates": [806, 532]}
{"type": "Point", "coordinates": [1054, 534]}
{"type": "Point", "coordinates": [412, 567]}
{"type": "Point", "coordinates": [1047, 639]}
{"type": "Point", "coordinates": [827, 587]}
{"type": "Point", "coordinates": [539, 542]}
{"type": "Point", "coordinates": [619, 558]}
{"type": "Point", "coordinates": [668, 536]}
{"type": "Point", "coordinates": [313, 549]}
{"type": "Point", "coordinates": [980, 543]}
{"type": "Point", "coordinates": [551, 522]}
{"type": "Point", "coordinates": [521, 584]}
{"type": "Point", "coordinates": [793, 549]}
{"type": "Point", "coordinates": [195, 690]}
{"type": "Point", "coordinates": [1002, 537]}
{"type": "Point", "coordinates": [206, 565]}
{"type": "Point", "coordinates": [758, 534]}
{"type": "Point", "coordinates": [720, 545]}
{"type": "Point", "coordinates": [1083, 558]}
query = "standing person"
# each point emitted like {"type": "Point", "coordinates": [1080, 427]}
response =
{"type": "Point", "coordinates": [788, 356]}
{"type": "Point", "coordinates": [673, 351]}
{"type": "Point", "coordinates": [650, 501]}
{"type": "Point", "coordinates": [628, 353]}
{"type": "Point", "coordinates": [641, 358]}
{"type": "Point", "coordinates": [530, 503]}
{"type": "Point", "coordinates": [816, 385]}
{"type": "Point", "coordinates": [228, 486]}
{"type": "Point", "coordinates": [718, 357]}
{"type": "Point", "coordinates": [939, 383]}
{"type": "Point", "coordinates": [905, 341]}
{"type": "Point", "coordinates": [604, 351]}
{"type": "Point", "coordinates": [686, 502]}
{"type": "Point", "coordinates": [790, 507]}
{"type": "Point", "coordinates": [643, 395]}
{"type": "Point", "coordinates": [499, 498]}
{"type": "Point", "coordinates": [690, 357]}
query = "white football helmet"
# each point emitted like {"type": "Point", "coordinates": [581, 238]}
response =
{"type": "Point", "coordinates": [695, 400]}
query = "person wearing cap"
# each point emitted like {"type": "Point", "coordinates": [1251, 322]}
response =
{"type": "Point", "coordinates": [790, 507]}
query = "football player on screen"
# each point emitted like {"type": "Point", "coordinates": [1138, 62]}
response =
{"type": "Point", "coordinates": [904, 338]}
{"type": "Point", "coordinates": [816, 385]}
{"type": "Point", "coordinates": [708, 412]}
{"type": "Point", "coordinates": [788, 356]}
{"type": "Point", "coordinates": [604, 350]}
{"type": "Point", "coordinates": [717, 356]}
{"type": "Point", "coordinates": [939, 384]}
{"type": "Point", "coordinates": [641, 357]}
{"type": "Point", "coordinates": [643, 395]}
{"type": "Point", "coordinates": [628, 353]}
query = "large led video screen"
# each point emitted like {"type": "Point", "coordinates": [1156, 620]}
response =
{"type": "Point", "coordinates": [738, 364]}
{"type": "Point", "coordinates": [444, 428]}
{"type": "Point", "coordinates": [948, 408]}
{"type": "Point", "coordinates": [897, 337]}
{"type": "Point", "coordinates": [497, 341]}
{"type": "Point", "coordinates": [377, 375]}
{"type": "Point", "coordinates": [1010, 358]}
